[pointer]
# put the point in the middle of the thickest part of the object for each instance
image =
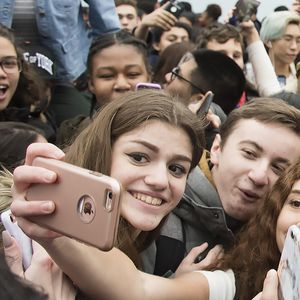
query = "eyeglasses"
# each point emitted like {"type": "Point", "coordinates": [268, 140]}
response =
{"type": "Point", "coordinates": [10, 65]}
{"type": "Point", "coordinates": [175, 73]}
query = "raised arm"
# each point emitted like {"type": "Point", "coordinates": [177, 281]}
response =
{"type": "Point", "coordinates": [112, 275]}
{"type": "Point", "coordinates": [106, 275]}
{"type": "Point", "coordinates": [265, 76]}
{"type": "Point", "coordinates": [158, 18]}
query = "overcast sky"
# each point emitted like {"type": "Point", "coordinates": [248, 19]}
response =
{"type": "Point", "coordinates": [266, 6]}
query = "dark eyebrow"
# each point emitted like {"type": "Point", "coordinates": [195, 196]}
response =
{"type": "Point", "coordinates": [260, 149]}
{"type": "Point", "coordinates": [297, 192]}
{"type": "Point", "coordinates": [132, 66]}
{"type": "Point", "coordinates": [156, 150]}
{"type": "Point", "coordinates": [290, 36]}
{"type": "Point", "coordinates": [106, 68]}
{"type": "Point", "coordinates": [172, 35]}
{"type": "Point", "coordinates": [255, 145]}
{"type": "Point", "coordinates": [10, 56]}
{"type": "Point", "coordinates": [113, 69]}
{"type": "Point", "coordinates": [125, 15]}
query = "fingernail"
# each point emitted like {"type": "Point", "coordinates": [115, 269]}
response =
{"type": "Point", "coordinates": [47, 206]}
{"type": "Point", "coordinates": [271, 273]}
{"type": "Point", "coordinates": [59, 153]}
{"type": "Point", "coordinates": [49, 177]}
{"type": "Point", "coordinates": [6, 238]}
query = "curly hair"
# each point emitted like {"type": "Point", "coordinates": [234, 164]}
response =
{"type": "Point", "coordinates": [256, 250]}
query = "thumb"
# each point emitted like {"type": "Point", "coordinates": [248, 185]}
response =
{"type": "Point", "coordinates": [13, 254]}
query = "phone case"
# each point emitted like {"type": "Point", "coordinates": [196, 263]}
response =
{"type": "Point", "coordinates": [289, 266]}
{"type": "Point", "coordinates": [204, 108]}
{"type": "Point", "coordinates": [174, 8]}
{"type": "Point", "coordinates": [245, 8]}
{"type": "Point", "coordinates": [147, 85]}
{"type": "Point", "coordinates": [87, 203]}
{"type": "Point", "coordinates": [24, 242]}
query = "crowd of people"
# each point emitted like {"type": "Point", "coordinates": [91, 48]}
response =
{"type": "Point", "coordinates": [207, 197]}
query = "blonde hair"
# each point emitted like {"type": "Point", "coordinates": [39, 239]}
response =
{"type": "Point", "coordinates": [6, 181]}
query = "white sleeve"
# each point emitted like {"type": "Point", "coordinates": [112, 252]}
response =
{"type": "Point", "coordinates": [265, 76]}
{"type": "Point", "coordinates": [221, 284]}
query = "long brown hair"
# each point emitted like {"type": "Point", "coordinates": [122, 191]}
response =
{"type": "Point", "coordinates": [256, 250]}
{"type": "Point", "coordinates": [93, 147]}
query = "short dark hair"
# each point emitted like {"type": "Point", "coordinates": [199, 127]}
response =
{"type": "Point", "coordinates": [219, 32]}
{"type": "Point", "coordinates": [214, 11]}
{"type": "Point", "coordinates": [281, 8]}
{"type": "Point", "coordinates": [218, 73]}
{"type": "Point", "coordinates": [157, 31]}
{"type": "Point", "coordinates": [15, 138]}
{"type": "Point", "coordinates": [126, 2]}
{"type": "Point", "coordinates": [121, 37]}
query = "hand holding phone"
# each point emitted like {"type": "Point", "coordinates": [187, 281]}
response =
{"type": "Point", "coordinates": [244, 9]}
{"type": "Point", "coordinates": [87, 203]}
{"type": "Point", "coordinates": [24, 242]}
{"type": "Point", "coordinates": [204, 108]}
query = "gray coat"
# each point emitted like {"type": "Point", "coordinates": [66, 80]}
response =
{"type": "Point", "coordinates": [198, 218]}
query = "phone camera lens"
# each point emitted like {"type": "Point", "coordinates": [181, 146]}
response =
{"type": "Point", "coordinates": [110, 195]}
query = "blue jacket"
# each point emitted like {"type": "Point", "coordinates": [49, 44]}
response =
{"type": "Point", "coordinates": [64, 32]}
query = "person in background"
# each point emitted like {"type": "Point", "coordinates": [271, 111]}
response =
{"type": "Point", "coordinates": [210, 15]}
{"type": "Point", "coordinates": [205, 70]}
{"type": "Point", "coordinates": [161, 39]}
{"type": "Point", "coordinates": [188, 17]}
{"type": "Point", "coordinates": [15, 138]}
{"type": "Point", "coordinates": [295, 7]}
{"type": "Point", "coordinates": [110, 76]}
{"type": "Point", "coordinates": [127, 13]}
{"type": "Point", "coordinates": [180, 32]}
{"type": "Point", "coordinates": [23, 94]}
{"type": "Point", "coordinates": [141, 27]}
{"type": "Point", "coordinates": [169, 59]}
{"type": "Point", "coordinates": [224, 38]}
{"type": "Point", "coordinates": [280, 33]}
{"type": "Point", "coordinates": [55, 37]}
{"type": "Point", "coordinates": [60, 27]}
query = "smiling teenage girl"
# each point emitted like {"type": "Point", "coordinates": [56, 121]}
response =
{"type": "Point", "coordinates": [116, 63]}
{"type": "Point", "coordinates": [149, 143]}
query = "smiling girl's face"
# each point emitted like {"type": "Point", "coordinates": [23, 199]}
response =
{"type": "Point", "coordinates": [152, 163]}
{"type": "Point", "coordinates": [289, 215]}
{"type": "Point", "coordinates": [116, 70]}
{"type": "Point", "coordinates": [8, 81]}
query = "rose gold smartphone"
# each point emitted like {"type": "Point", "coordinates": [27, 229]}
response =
{"type": "Point", "coordinates": [87, 203]}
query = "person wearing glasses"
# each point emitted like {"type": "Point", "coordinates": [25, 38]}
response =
{"type": "Point", "coordinates": [22, 92]}
{"type": "Point", "coordinates": [206, 70]}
